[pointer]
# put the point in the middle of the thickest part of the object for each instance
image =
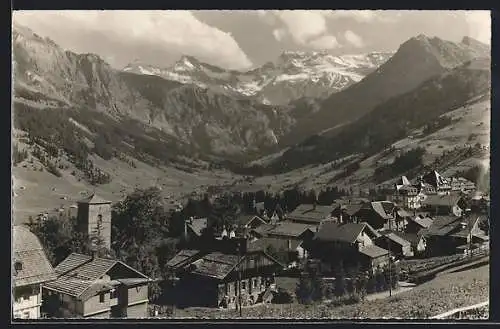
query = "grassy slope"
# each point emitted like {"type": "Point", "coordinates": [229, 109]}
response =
{"type": "Point", "coordinates": [38, 194]}
{"type": "Point", "coordinates": [435, 143]}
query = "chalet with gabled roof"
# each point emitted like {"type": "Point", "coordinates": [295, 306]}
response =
{"type": "Point", "coordinates": [351, 244]}
{"type": "Point", "coordinates": [379, 214]}
{"type": "Point", "coordinates": [311, 214]}
{"type": "Point", "coordinates": [398, 246]}
{"type": "Point", "coordinates": [450, 234]}
{"type": "Point", "coordinates": [31, 269]}
{"type": "Point", "coordinates": [444, 204]}
{"type": "Point", "coordinates": [218, 278]}
{"type": "Point", "coordinates": [92, 287]}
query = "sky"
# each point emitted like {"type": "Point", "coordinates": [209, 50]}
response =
{"type": "Point", "coordinates": [243, 39]}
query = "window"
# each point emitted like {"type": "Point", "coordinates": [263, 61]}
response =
{"type": "Point", "coordinates": [243, 285]}
{"type": "Point", "coordinates": [235, 288]}
{"type": "Point", "coordinates": [101, 297]}
{"type": "Point", "coordinates": [113, 294]}
{"type": "Point", "coordinates": [99, 219]}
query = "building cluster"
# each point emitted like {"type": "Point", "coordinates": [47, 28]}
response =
{"type": "Point", "coordinates": [81, 286]}
{"type": "Point", "coordinates": [424, 218]}
{"type": "Point", "coordinates": [237, 266]}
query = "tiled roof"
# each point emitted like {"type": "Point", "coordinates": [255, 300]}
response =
{"type": "Point", "coordinates": [277, 243]}
{"type": "Point", "coordinates": [347, 232]}
{"type": "Point", "coordinates": [291, 229]}
{"type": "Point", "coordinates": [215, 264]}
{"type": "Point", "coordinates": [414, 239]}
{"type": "Point", "coordinates": [94, 199]}
{"type": "Point", "coordinates": [442, 200]}
{"type": "Point", "coordinates": [28, 250]}
{"type": "Point", "coordinates": [397, 239]}
{"type": "Point", "coordinates": [424, 222]}
{"type": "Point", "coordinates": [310, 213]}
{"type": "Point", "coordinates": [263, 229]}
{"type": "Point", "coordinates": [81, 273]}
{"type": "Point", "coordinates": [198, 225]}
{"type": "Point", "coordinates": [443, 225]}
{"type": "Point", "coordinates": [181, 257]}
{"type": "Point", "coordinates": [373, 251]}
{"type": "Point", "coordinates": [244, 220]}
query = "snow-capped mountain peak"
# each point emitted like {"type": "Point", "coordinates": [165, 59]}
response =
{"type": "Point", "coordinates": [293, 75]}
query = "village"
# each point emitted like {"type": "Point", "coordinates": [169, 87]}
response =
{"type": "Point", "coordinates": [353, 249]}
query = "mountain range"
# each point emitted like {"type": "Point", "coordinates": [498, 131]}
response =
{"type": "Point", "coordinates": [292, 76]}
{"type": "Point", "coordinates": [242, 115]}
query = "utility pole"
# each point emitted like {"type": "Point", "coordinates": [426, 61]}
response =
{"type": "Point", "coordinates": [390, 258]}
{"type": "Point", "coordinates": [238, 250]}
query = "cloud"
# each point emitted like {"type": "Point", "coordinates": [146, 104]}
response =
{"type": "Point", "coordinates": [302, 24]}
{"type": "Point", "coordinates": [353, 39]}
{"type": "Point", "coordinates": [325, 42]}
{"type": "Point", "coordinates": [175, 30]}
{"type": "Point", "coordinates": [279, 34]}
{"type": "Point", "coordinates": [479, 24]}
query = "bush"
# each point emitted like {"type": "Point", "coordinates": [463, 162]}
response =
{"type": "Point", "coordinates": [283, 297]}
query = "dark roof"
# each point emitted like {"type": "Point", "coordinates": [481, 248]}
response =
{"type": "Point", "coordinates": [218, 265]}
{"type": "Point", "coordinates": [413, 238]}
{"type": "Point", "coordinates": [198, 225]}
{"type": "Point", "coordinates": [373, 251]}
{"type": "Point", "coordinates": [397, 239]}
{"type": "Point", "coordinates": [28, 250]}
{"type": "Point", "coordinates": [79, 274]}
{"type": "Point", "coordinates": [383, 208]}
{"type": "Point", "coordinates": [347, 232]}
{"type": "Point", "coordinates": [403, 213]}
{"type": "Point", "coordinates": [435, 179]}
{"type": "Point", "coordinates": [424, 222]}
{"type": "Point", "coordinates": [442, 200]}
{"type": "Point", "coordinates": [277, 244]}
{"type": "Point", "coordinates": [352, 208]}
{"type": "Point", "coordinates": [310, 213]}
{"type": "Point", "coordinates": [263, 229]}
{"type": "Point", "coordinates": [94, 199]}
{"type": "Point", "coordinates": [443, 225]}
{"type": "Point", "coordinates": [182, 257]}
{"type": "Point", "coordinates": [244, 220]}
{"type": "Point", "coordinates": [290, 229]}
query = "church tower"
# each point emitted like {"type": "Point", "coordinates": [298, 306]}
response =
{"type": "Point", "coordinates": [94, 219]}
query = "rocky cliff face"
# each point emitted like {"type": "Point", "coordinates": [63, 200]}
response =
{"type": "Point", "coordinates": [47, 76]}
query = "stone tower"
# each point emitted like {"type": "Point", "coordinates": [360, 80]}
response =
{"type": "Point", "coordinates": [94, 219]}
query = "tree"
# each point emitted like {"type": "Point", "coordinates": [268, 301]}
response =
{"type": "Point", "coordinates": [340, 284]}
{"type": "Point", "coordinates": [304, 289]}
{"type": "Point", "coordinates": [381, 283]}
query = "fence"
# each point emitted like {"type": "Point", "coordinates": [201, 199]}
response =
{"type": "Point", "coordinates": [465, 312]}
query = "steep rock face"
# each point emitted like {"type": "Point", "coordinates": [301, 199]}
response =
{"type": "Point", "coordinates": [47, 76]}
{"type": "Point", "coordinates": [292, 76]}
{"type": "Point", "coordinates": [416, 60]}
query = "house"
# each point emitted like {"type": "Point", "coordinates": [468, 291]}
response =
{"type": "Point", "coordinates": [450, 234]}
{"type": "Point", "coordinates": [408, 196]}
{"type": "Point", "coordinates": [261, 231]}
{"type": "Point", "coordinates": [31, 269]}
{"type": "Point", "coordinates": [351, 244]}
{"type": "Point", "coordinates": [219, 278]}
{"type": "Point", "coordinates": [92, 287]}
{"type": "Point", "coordinates": [439, 182]}
{"type": "Point", "coordinates": [417, 242]}
{"type": "Point", "coordinates": [293, 249]}
{"type": "Point", "coordinates": [195, 227]}
{"type": "Point", "coordinates": [94, 219]}
{"type": "Point", "coordinates": [444, 204]}
{"type": "Point", "coordinates": [398, 246]}
{"type": "Point", "coordinates": [246, 223]}
{"type": "Point", "coordinates": [345, 209]}
{"type": "Point", "coordinates": [311, 214]}
{"type": "Point", "coordinates": [288, 230]}
{"type": "Point", "coordinates": [379, 214]}
{"type": "Point", "coordinates": [462, 184]}
{"type": "Point", "coordinates": [417, 223]}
